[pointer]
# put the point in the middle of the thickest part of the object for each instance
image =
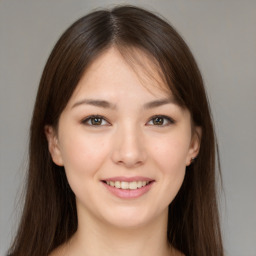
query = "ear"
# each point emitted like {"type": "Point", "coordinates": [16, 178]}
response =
{"type": "Point", "coordinates": [53, 145]}
{"type": "Point", "coordinates": [194, 145]}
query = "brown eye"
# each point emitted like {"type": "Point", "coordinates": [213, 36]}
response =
{"type": "Point", "coordinates": [160, 121]}
{"type": "Point", "coordinates": [95, 121]}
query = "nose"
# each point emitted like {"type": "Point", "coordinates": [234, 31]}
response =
{"type": "Point", "coordinates": [129, 148]}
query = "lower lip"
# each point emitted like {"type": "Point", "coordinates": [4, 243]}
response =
{"type": "Point", "coordinates": [128, 193]}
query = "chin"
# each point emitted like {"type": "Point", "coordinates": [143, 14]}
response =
{"type": "Point", "coordinates": [130, 217]}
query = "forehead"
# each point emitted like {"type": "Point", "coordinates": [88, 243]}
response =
{"type": "Point", "coordinates": [115, 68]}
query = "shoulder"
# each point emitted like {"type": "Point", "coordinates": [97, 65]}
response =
{"type": "Point", "coordinates": [59, 251]}
{"type": "Point", "coordinates": [177, 253]}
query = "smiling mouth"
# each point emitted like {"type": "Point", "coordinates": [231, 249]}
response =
{"type": "Point", "coordinates": [127, 185]}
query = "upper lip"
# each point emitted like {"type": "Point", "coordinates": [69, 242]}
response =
{"type": "Point", "coordinates": [128, 179]}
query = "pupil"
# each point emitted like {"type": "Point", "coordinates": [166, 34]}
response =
{"type": "Point", "coordinates": [96, 121]}
{"type": "Point", "coordinates": [158, 121]}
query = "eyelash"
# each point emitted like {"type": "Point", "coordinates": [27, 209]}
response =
{"type": "Point", "coordinates": [165, 118]}
{"type": "Point", "coordinates": [88, 119]}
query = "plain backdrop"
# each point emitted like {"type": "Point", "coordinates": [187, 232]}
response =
{"type": "Point", "coordinates": [222, 36]}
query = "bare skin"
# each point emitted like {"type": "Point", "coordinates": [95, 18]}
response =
{"type": "Point", "coordinates": [129, 141]}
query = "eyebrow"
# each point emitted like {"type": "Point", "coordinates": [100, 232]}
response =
{"type": "Point", "coordinates": [158, 103]}
{"type": "Point", "coordinates": [106, 104]}
{"type": "Point", "coordinates": [97, 103]}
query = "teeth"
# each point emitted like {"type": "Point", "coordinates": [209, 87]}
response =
{"type": "Point", "coordinates": [124, 185]}
{"type": "Point", "coordinates": [117, 184]}
{"type": "Point", "coordinates": [128, 185]}
{"type": "Point", "coordinates": [133, 185]}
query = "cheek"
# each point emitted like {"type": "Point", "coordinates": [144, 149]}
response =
{"type": "Point", "coordinates": [170, 154]}
{"type": "Point", "coordinates": [170, 158]}
{"type": "Point", "coordinates": [83, 158]}
{"type": "Point", "coordinates": [83, 155]}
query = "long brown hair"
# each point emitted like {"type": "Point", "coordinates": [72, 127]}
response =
{"type": "Point", "coordinates": [49, 216]}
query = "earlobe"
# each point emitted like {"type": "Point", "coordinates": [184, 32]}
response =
{"type": "Point", "coordinates": [194, 146]}
{"type": "Point", "coordinates": [53, 145]}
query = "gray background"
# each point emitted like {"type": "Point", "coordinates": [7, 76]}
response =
{"type": "Point", "coordinates": [222, 36]}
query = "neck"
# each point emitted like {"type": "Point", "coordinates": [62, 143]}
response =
{"type": "Point", "coordinates": [98, 238]}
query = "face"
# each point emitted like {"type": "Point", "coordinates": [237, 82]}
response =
{"type": "Point", "coordinates": [124, 145]}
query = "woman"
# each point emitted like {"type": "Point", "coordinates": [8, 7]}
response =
{"type": "Point", "coordinates": [122, 147]}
